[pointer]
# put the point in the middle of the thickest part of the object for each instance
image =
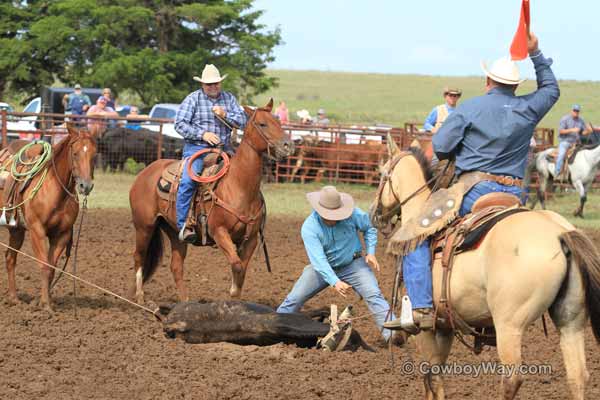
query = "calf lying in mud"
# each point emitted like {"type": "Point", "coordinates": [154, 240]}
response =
{"type": "Point", "coordinates": [253, 324]}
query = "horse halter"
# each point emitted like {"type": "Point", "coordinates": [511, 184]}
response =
{"type": "Point", "coordinates": [396, 211]}
{"type": "Point", "coordinates": [270, 144]}
{"type": "Point", "coordinates": [71, 168]}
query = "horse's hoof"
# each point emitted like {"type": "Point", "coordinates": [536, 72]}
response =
{"type": "Point", "coordinates": [12, 300]}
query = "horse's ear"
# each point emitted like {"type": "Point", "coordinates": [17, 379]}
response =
{"type": "Point", "coordinates": [71, 129]}
{"type": "Point", "coordinates": [248, 110]}
{"type": "Point", "coordinates": [416, 143]}
{"type": "Point", "coordinates": [269, 105]}
{"type": "Point", "coordinates": [392, 147]}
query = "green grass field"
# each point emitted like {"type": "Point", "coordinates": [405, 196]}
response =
{"type": "Point", "coordinates": [396, 99]}
{"type": "Point", "coordinates": [112, 191]}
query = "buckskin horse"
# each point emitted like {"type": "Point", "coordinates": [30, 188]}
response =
{"type": "Point", "coordinates": [233, 221]}
{"type": "Point", "coordinates": [528, 263]}
{"type": "Point", "coordinates": [49, 204]}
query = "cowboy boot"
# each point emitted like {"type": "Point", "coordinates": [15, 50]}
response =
{"type": "Point", "coordinates": [422, 320]}
{"type": "Point", "coordinates": [188, 235]}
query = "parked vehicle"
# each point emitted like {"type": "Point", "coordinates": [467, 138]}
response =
{"type": "Point", "coordinates": [164, 111]}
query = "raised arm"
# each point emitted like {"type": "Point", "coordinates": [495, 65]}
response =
{"type": "Point", "coordinates": [547, 93]}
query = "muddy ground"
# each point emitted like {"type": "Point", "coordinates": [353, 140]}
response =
{"type": "Point", "coordinates": [106, 349]}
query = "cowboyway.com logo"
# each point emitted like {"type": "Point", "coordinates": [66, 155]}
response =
{"type": "Point", "coordinates": [475, 370]}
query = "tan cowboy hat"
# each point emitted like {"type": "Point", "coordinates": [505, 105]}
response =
{"type": "Point", "coordinates": [331, 204]}
{"type": "Point", "coordinates": [504, 71]}
{"type": "Point", "coordinates": [449, 90]}
{"type": "Point", "coordinates": [210, 74]}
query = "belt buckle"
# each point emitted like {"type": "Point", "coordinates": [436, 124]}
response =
{"type": "Point", "coordinates": [357, 255]}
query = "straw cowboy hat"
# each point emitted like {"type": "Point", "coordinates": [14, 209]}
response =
{"type": "Point", "coordinates": [210, 74]}
{"type": "Point", "coordinates": [504, 71]}
{"type": "Point", "coordinates": [303, 114]}
{"type": "Point", "coordinates": [331, 204]}
{"type": "Point", "coordinates": [449, 90]}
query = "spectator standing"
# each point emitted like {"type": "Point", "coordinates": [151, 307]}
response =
{"type": "Point", "coordinates": [282, 113]}
{"type": "Point", "coordinates": [97, 126]}
{"type": "Point", "coordinates": [78, 103]}
{"type": "Point", "coordinates": [321, 118]}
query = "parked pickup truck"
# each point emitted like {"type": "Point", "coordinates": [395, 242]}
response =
{"type": "Point", "coordinates": [164, 111]}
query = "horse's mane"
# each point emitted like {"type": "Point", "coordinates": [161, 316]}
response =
{"type": "Point", "coordinates": [423, 163]}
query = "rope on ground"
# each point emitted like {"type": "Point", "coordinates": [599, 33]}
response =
{"type": "Point", "coordinates": [153, 312]}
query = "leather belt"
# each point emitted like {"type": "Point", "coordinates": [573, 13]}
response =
{"type": "Point", "coordinates": [501, 179]}
{"type": "Point", "coordinates": [356, 255]}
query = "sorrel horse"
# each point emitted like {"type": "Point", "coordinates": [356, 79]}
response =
{"type": "Point", "coordinates": [52, 211]}
{"type": "Point", "coordinates": [239, 191]}
{"type": "Point", "coordinates": [529, 263]}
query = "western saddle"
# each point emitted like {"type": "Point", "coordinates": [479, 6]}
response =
{"type": "Point", "coordinates": [462, 235]}
{"type": "Point", "coordinates": [167, 187]}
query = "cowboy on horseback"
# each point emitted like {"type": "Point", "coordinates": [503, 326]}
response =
{"type": "Point", "coordinates": [202, 119]}
{"type": "Point", "coordinates": [488, 136]}
{"type": "Point", "coordinates": [571, 127]}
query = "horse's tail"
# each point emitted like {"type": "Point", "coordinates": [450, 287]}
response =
{"type": "Point", "coordinates": [154, 253]}
{"type": "Point", "coordinates": [587, 257]}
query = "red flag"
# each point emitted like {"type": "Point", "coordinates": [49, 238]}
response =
{"type": "Point", "coordinates": [518, 48]}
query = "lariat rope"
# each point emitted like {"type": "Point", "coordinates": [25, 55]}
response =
{"type": "Point", "coordinates": [80, 279]}
{"type": "Point", "coordinates": [33, 168]}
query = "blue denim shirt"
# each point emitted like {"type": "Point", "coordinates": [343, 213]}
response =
{"type": "Point", "coordinates": [331, 247]}
{"type": "Point", "coordinates": [491, 133]}
{"type": "Point", "coordinates": [195, 116]}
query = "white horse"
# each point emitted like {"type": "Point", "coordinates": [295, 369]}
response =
{"type": "Point", "coordinates": [582, 173]}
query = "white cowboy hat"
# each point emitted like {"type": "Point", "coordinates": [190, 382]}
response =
{"type": "Point", "coordinates": [210, 74]}
{"type": "Point", "coordinates": [303, 114]}
{"type": "Point", "coordinates": [504, 71]}
{"type": "Point", "coordinates": [331, 204]}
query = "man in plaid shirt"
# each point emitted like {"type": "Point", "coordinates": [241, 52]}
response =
{"type": "Point", "coordinates": [196, 121]}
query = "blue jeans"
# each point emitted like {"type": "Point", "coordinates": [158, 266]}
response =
{"type": "Point", "coordinates": [563, 146]}
{"type": "Point", "coordinates": [416, 265]}
{"type": "Point", "coordinates": [187, 186]}
{"type": "Point", "coordinates": [357, 274]}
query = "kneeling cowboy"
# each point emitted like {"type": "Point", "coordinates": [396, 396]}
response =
{"type": "Point", "coordinates": [196, 121]}
{"type": "Point", "coordinates": [489, 138]}
{"type": "Point", "coordinates": [332, 242]}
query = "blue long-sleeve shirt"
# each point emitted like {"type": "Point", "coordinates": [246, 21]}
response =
{"type": "Point", "coordinates": [331, 247]}
{"type": "Point", "coordinates": [491, 133]}
{"type": "Point", "coordinates": [431, 119]}
{"type": "Point", "coordinates": [194, 117]}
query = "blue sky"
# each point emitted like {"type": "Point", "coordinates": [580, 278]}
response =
{"type": "Point", "coordinates": [430, 37]}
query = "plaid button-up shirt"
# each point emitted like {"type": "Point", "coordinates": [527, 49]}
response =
{"type": "Point", "coordinates": [195, 116]}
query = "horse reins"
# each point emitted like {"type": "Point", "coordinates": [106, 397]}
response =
{"type": "Point", "coordinates": [386, 178]}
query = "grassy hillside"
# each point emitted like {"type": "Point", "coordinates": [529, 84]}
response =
{"type": "Point", "coordinates": [395, 99]}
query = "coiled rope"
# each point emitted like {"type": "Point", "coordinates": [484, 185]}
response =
{"type": "Point", "coordinates": [31, 168]}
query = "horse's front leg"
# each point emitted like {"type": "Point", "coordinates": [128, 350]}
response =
{"type": "Point", "coordinates": [40, 249]}
{"type": "Point", "coordinates": [435, 350]}
{"type": "Point", "coordinates": [578, 185]}
{"type": "Point", "coordinates": [223, 240]}
{"type": "Point", "coordinates": [58, 243]}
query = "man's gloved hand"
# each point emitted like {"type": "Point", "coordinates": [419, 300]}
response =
{"type": "Point", "coordinates": [342, 288]}
{"type": "Point", "coordinates": [211, 138]}
{"type": "Point", "coordinates": [218, 110]}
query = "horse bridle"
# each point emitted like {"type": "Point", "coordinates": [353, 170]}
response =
{"type": "Point", "coordinates": [262, 135]}
{"type": "Point", "coordinates": [396, 211]}
{"type": "Point", "coordinates": [64, 187]}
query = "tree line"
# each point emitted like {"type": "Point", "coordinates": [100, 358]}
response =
{"type": "Point", "coordinates": [151, 47]}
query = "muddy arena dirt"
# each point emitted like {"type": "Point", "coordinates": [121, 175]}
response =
{"type": "Point", "coordinates": [111, 350]}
